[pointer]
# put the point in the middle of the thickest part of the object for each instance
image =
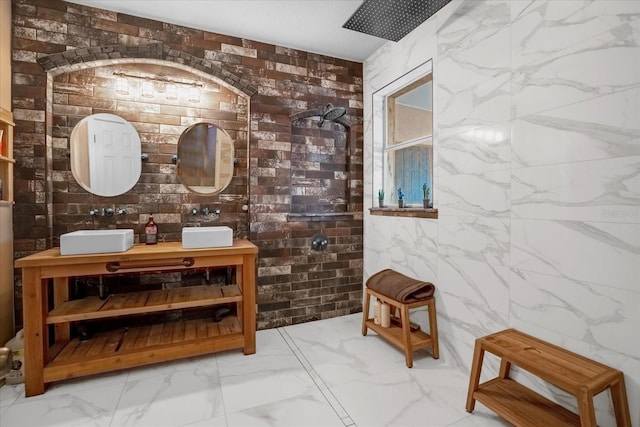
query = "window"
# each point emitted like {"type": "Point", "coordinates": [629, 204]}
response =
{"type": "Point", "coordinates": [403, 139]}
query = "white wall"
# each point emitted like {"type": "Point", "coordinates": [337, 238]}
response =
{"type": "Point", "coordinates": [539, 228]}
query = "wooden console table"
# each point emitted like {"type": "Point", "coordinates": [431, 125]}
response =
{"type": "Point", "coordinates": [65, 358]}
{"type": "Point", "coordinates": [571, 372]}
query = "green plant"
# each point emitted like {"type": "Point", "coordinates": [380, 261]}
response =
{"type": "Point", "coordinates": [381, 194]}
{"type": "Point", "coordinates": [425, 191]}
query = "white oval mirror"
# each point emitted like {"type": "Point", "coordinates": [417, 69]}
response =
{"type": "Point", "coordinates": [105, 154]}
{"type": "Point", "coordinates": [205, 158]}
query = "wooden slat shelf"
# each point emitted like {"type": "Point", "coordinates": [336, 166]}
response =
{"type": "Point", "coordinates": [393, 334]}
{"type": "Point", "coordinates": [144, 302]}
{"type": "Point", "coordinates": [523, 407]}
{"type": "Point", "coordinates": [142, 345]}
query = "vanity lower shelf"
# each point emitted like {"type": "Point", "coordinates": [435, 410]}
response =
{"type": "Point", "coordinates": [137, 346]}
{"type": "Point", "coordinates": [144, 302]}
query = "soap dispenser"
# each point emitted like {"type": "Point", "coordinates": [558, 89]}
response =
{"type": "Point", "coordinates": [151, 231]}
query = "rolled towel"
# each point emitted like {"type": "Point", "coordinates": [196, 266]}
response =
{"type": "Point", "coordinates": [399, 287]}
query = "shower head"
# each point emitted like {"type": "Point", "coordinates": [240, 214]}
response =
{"type": "Point", "coordinates": [331, 113]}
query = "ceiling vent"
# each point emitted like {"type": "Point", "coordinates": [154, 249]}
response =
{"type": "Point", "coordinates": [392, 19]}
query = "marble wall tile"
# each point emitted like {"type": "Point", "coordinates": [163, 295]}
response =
{"type": "Point", "coordinates": [597, 252]}
{"type": "Point", "coordinates": [475, 238]}
{"type": "Point", "coordinates": [584, 311]}
{"type": "Point", "coordinates": [476, 284]}
{"type": "Point", "coordinates": [483, 105]}
{"type": "Point", "coordinates": [474, 48]}
{"type": "Point", "coordinates": [484, 193]}
{"type": "Point", "coordinates": [543, 28]}
{"type": "Point", "coordinates": [604, 64]}
{"type": "Point", "coordinates": [599, 128]}
{"type": "Point", "coordinates": [410, 247]}
{"type": "Point", "coordinates": [476, 151]}
{"type": "Point", "coordinates": [600, 190]}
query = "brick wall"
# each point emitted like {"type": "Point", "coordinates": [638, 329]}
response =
{"type": "Point", "coordinates": [295, 284]}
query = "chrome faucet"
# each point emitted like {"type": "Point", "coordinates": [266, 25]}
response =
{"type": "Point", "coordinates": [107, 211]}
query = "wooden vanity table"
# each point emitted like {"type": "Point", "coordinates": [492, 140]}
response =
{"type": "Point", "coordinates": [47, 274]}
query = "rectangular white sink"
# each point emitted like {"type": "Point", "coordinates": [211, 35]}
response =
{"type": "Point", "coordinates": [206, 237]}
{"type": "Point", "coordinates": [87, 242]}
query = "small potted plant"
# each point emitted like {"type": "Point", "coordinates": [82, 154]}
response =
{"type": "Point", "coordinates": [381, 198]}
{"type": "Point", "coordinates": [426, 200]}
{"type": "Point", "coordinates": [400, 198]}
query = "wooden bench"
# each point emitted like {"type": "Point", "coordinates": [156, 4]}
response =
{"type": "Point", "coordinates": [575, 374]}
{"type": "Point", "coordinates": [402, 333]}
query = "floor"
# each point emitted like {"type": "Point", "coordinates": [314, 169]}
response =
{"type": "Point", "coordinates": [322, 373]}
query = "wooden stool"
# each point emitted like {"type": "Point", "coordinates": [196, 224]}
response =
{"type": "Point", "coordinates": [402, 333]}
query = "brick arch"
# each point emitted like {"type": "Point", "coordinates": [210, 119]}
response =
{"type": "Point", "coordinates": [75, 59]}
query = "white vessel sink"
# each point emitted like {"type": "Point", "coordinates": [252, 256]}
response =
{"type": "Point", "coordinates": [86, 242]}
{"type": "Point", "coordinates": [206, 237]}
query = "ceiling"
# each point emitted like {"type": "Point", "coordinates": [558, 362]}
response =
{"type": "Point", "coordinates": [309, 25]}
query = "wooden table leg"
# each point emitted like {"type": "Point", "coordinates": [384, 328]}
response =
{"type": "Point", "coordinates": [620, 403]}
{"type": "Point", "coordinates": [586, 409]}
{"type": "Point", "coordinates": [365, 311]}
{"type": "Point", "coordinates": [34, 303]}
{"type": "Point", "coordinates": [248, 279]}
{"type": "Point", "coordinates": [474, 378]}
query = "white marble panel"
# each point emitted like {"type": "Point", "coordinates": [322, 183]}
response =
{"type": "Point", "coordinates": [476, 284]}
{"type": "Point", "coordinates": [395, 397]}
{"type": "Point", "coordinates": [475, 151]}
{"type": "Point", "coordinates": [394, 59]}
{"type": "Point", "coordinates": [408, 245]}
{"type": "Point", "coordinates": [9, 393]}
{"type": "Point", "coordinates": [600, 190]}
{"type": "Point", "coordinates": [343, 355]}
{"type": "Point", "coordinates": [597, 252]}
{"type": "Point", "coordinates": [599, 128]}
{"type": "Point", "coordinates": [484, 194]}
{"type": "Point", "coordinates": [80, 407]}
{"type": "Point", "coordinates": [252, 382]}
{"type": "Point", "coordinates": [607, 63]}
{"type": "Point", "coordinates": [310, 409]}
{"type": "Point", "coordinates": [475, 238]}
{"type": "Point", "coordinates": [544, 28]}
{"type": "Point", "coordinates": [474, 47]}
{"type": "Point", "coordinates": [584, 311]}
{"type": "Point", "coordinates": [486, 104]}
{"type": "Point", "coordinates": [177, 398]}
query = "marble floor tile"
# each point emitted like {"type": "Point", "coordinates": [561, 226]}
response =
{"type": "Point", "coordinates": [322, 373]}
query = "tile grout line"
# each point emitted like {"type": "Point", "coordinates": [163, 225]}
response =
{"type": "Point", "coordinates": [317, 380]}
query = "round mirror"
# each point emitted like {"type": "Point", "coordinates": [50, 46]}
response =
{"type": "Point", "coordinates": [105, 154]}
{"type": "Point", "coordinates": [205, 158]}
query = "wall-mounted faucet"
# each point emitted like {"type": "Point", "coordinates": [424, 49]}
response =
{"type": "Point", "coordinates": [206, 211]}
{"type": "Point", "coordinates": [107, 211]}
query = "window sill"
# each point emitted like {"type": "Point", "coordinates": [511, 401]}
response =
{"type": "Point", "coordinates": [406, 212]}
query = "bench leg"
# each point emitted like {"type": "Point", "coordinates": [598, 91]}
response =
{"type": "Point", "coordinates": [474, 378]}
{"type": "Point", "coordinates": [433, 328]}
{"type": "Point", "coordinates": [586, 409]}
{"type": "Point", "coordinates": [365, 311]}
{"type": "Point", "coordinates": [406, 334]}
{"type": "Point", "coordinates": [620, 403]}
{"type": "Point", "coordinates": [505, 368]}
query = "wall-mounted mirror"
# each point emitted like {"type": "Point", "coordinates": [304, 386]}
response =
{"type": "Point", "coordinates": [205, 158]}
{"type": "Point", "coordinates": [105, 154]}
